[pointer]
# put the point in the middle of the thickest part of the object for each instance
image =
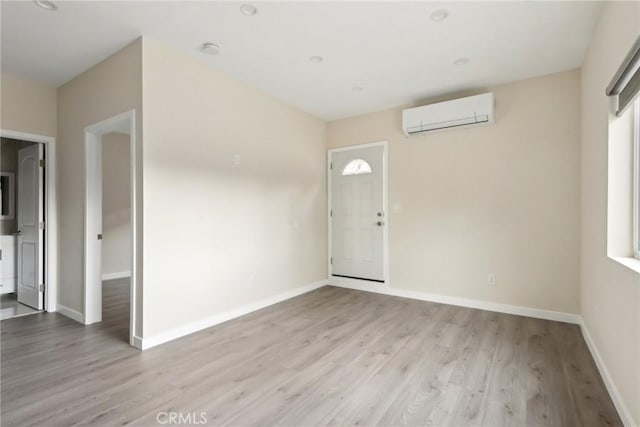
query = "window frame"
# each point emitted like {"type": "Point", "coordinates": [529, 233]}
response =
{"type": "Point", "coordinates": [636, 178]}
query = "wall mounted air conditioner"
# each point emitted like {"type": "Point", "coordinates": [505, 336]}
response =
{"type": "Point", "coordinates": [458, 113]}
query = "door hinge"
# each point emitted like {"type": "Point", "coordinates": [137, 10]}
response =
{"type": "Point", "coordinates": [41, 225]}
{"type": "Point", "coordinates": [0, 254]}
{"type": "Point", "coordinates": [41, 287]}
{"type": "Point", "coordinates": [331, 166]}
{"type": "Point", "coordinates": [331, 260]}
{"type": "Point", "coordinates": [99, 236]}
{"type": "Point", "coordinates": [331, 213]}
{"type": "Point", "coordinates": [41, 163]}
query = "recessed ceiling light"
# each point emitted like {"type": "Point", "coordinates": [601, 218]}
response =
{"type": "Point", "coordinates": [46, 4]}
{"type": "Point", "coordinates": [357, 89]}
{"type": "Point", "coordinates": [461, 61]}
{"type": "Point", "coordinates": [316, 59]}
{"type": "Point", "coordinates": [210, 48]}
{"type": "Point", "coordinates": [439, 15]}
{"type": "Point", "coordinates": [248, 9]}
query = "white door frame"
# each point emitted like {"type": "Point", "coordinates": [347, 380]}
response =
{"type": "Point", "coordinates": [362, 283]}
{"type": "Point", "coordinates": [50, 214]}
{"type": "Point", "coordinates": [93, 227]}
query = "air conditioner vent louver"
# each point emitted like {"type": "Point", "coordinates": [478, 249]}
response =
{"type": "Point", "coordinates": [464, 112]}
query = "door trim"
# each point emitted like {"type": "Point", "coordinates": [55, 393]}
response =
{"type": "Point", "coordinates": [93, 200]}
{"type": "Point", "coordinates": [385, 228]}
{"type": "Point", "coordinates": [50, 214]}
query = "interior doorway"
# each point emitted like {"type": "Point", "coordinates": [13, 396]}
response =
{"type": "Point", "coordinates": [28, 229]}
{"type": "Point", "coordinates": [22, 227]}
{"type": "Point", "coordinates": [358, 214]}
{"type": "Point", "coordinates": [110, 261]}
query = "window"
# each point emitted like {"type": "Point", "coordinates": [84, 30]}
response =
{"type": "Point", "coordinates": [356, 167]}
{"type": "Point", "coordinates": [623, 163]}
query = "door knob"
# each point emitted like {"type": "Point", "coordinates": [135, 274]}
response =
{"type": "Point", "coordinates": [379, 223]}
{"type": "Point", "coordinates": [17, 233]}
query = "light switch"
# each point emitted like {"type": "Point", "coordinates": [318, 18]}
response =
{"type": "Point", "coordinates": [236, 159]}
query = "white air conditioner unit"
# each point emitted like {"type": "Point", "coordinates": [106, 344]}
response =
{"type": "Point", "coordinates": [455, 114]}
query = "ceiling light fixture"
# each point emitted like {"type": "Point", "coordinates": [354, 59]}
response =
{"type": "Point", "coordinates": [439, 15]}
{"type": "Point", "coordinates": [210, 48]}
{"type": "Point", "coordinates": [248, 9]}
{"type": "Point", "coordinates": [316, 59]}
{"type": "Point", "coordinates": [46, 4]}
{"type": "Point", "coordinates": [461, 61]}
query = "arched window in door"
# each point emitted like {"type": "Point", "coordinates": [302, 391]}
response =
{"type": "Point", "coordinates": [356, 167]}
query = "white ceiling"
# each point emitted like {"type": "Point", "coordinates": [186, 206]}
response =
{"type": "Point", "coordinates": [391, 49]}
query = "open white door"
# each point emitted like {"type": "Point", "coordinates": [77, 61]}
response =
{"type": "Point", "coordinates": [93, 230]}
{"type": "Point", "coordinates": [357, 213]}
{"type": "Point", "coordinates": [30, 222]}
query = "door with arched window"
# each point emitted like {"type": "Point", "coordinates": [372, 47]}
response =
{"type": "Point", "coordinates": [357, 213]}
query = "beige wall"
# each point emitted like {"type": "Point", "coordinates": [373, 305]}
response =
{"type": "Point", "coordinates": [500, 199]}
{"type": "Point", "coordinates": [116, 204]}
{"type": "Point", "coordinates": [610, 292]}
{"type": "Point", "coordinates": [27, 106]}
{"type": "Point", "coordinates": [109, 88]}
{"type": "Point", "coordinates": [219, 236]}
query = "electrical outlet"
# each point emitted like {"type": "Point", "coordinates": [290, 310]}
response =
{"type": "Point", "coordinates": [491, 279]}
{"type": "Point", "coordinates": [236, 159]}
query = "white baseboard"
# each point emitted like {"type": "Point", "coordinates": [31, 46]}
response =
{"type": "Point", "coordinates": [623, 411]}
{"type": "Point", "coordinates": [136, 342]}
{"type": "Point", "coordinates": [465, 302]}
{"type": "Point", "coordinates": [70, 313]}
{"type": "Point", "coordinates": [172, 334]}
{"type": "Point", "coordinates": [116, 275]}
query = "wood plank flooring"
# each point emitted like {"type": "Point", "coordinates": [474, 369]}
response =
{"type": "Point", "coordinates": [330, 357]}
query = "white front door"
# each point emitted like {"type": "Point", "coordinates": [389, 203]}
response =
{"type": "Point", "coordinates": [30, 216]}
{"type": "Point", "coordinates": [357, 213]}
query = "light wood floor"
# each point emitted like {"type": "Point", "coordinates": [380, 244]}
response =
{"type": "Point", "coordinates": [333, 356]}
